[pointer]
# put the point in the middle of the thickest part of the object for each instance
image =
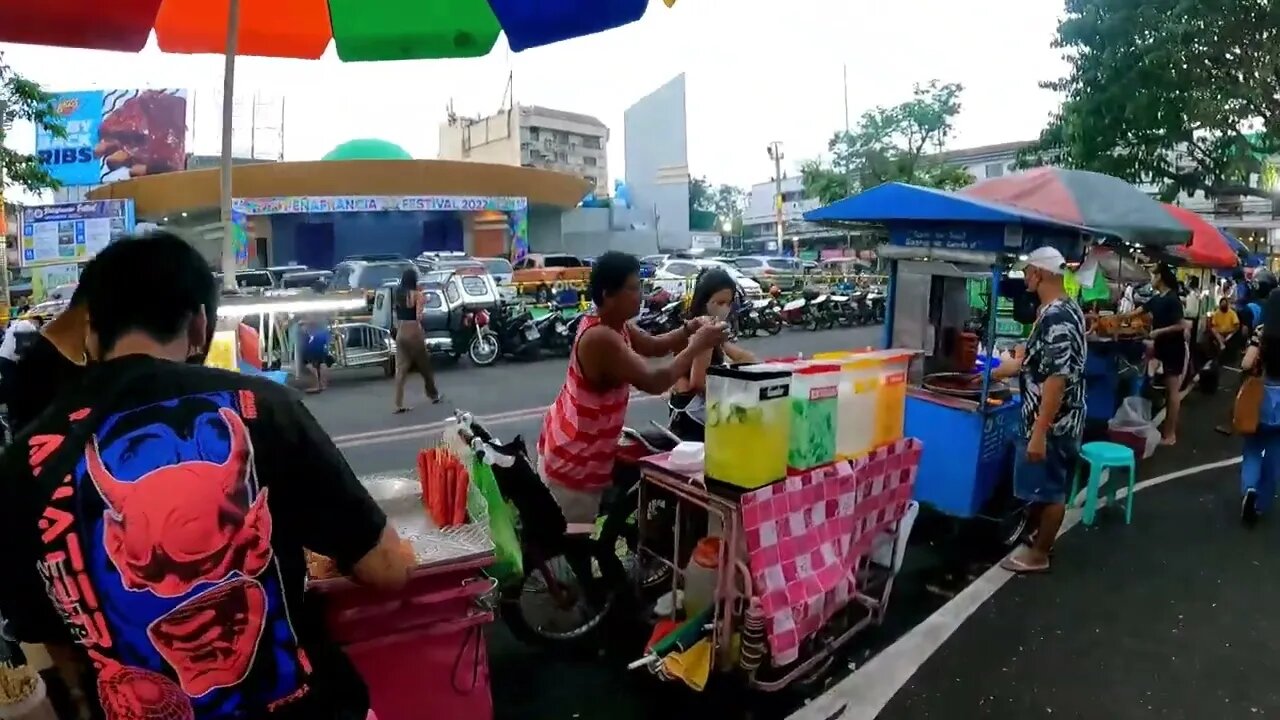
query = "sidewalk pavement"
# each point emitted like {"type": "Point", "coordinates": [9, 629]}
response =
{"type": "Point", "coordinates": [1174, 616]}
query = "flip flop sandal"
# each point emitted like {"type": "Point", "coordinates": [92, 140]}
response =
{"type": "Point", "coordinates": [1017, 567]}
{"type": "Point", "coordinates": [401, 411]}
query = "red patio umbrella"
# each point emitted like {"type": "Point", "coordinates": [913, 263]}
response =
{"type": "Point", "coordinates": [1208, 247]}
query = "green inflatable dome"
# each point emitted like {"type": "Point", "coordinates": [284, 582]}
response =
{"type": "Point", "coordinates": [367, 149]}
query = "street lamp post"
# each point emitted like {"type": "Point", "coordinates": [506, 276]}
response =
{"type": "Point", "coordinates": [775, 154]}
{"type": "Point", "coordinates": [228, 94]}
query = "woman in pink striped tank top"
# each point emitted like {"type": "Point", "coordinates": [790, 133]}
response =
{"type": "Point", "coordinates": [580, 432]}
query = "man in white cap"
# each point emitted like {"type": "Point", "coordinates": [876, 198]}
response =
{"type": "Point", "coordinates": [1050, 370]}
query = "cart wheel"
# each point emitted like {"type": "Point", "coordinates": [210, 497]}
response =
{"type": "Point", "coordinates": [564, 600]}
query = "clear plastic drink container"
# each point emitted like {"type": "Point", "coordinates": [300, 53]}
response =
{"type": "Point", "coordinates": [891, 394]}
{"type": "Point", "coordinates": [815, 392]}
{"type": "Point", "coordinates": [748, 424]}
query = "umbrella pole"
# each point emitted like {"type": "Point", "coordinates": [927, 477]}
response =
{"type": "Point", "coordinates": [228, 93]}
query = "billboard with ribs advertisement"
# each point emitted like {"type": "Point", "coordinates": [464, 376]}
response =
{"type": "Point", "coordinates": [115, 135]}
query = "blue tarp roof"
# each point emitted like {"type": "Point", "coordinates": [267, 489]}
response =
{"type": "Point", "coordinates": [1247, 258]}
{"type": "Point", "coordinates": [901, 202]}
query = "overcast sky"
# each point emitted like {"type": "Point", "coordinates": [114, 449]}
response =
{"type": "Point", "coordinates": [757, 70]}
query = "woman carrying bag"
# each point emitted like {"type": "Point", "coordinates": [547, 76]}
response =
{"type": "Point", "coordinates": [1257, 416]}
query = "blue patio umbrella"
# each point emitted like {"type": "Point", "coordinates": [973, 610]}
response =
{"type": "Point", "coordinates": [900, 202]}
{"type": "Point", "coordinates": [531, 24]}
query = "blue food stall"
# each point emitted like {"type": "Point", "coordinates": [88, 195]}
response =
{"type": "Point", "coordinates": [938, 243]}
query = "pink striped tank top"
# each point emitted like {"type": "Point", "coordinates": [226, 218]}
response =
{"type": "Point", "coordinates": [580, 432]}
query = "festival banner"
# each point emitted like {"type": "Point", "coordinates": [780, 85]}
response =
{"type": "Point", "coordinates": [306, 205]}
{"type": "Point", "coordinates": [115, 135]}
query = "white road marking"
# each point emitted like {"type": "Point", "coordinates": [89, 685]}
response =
{"type": "Point", "coordinates": [865, 693]}
{"type": "Point", "coordinates": [411, 432]}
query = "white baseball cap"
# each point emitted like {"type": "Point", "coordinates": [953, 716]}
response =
{"type": "Point", "coordinates": [1047, 259]}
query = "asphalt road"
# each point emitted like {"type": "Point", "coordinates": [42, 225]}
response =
{"type": "Point", "coordinates": [510, 398]}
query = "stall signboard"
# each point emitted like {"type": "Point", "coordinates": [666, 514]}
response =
{"type": "Point", "coordinates": [979, 237]}
{"type": "Point", "coordinates": [305, 205]}
{"type": "Point", "coordinates": [115, 135]}
{"type": "Point", "coordinates": [72, 232]}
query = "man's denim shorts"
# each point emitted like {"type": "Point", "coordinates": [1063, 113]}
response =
{"type": "Point", "coordinates": [1046, 481]}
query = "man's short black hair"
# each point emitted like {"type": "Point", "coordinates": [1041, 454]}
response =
{"type": "Point", "coordinates": [610, 273]}
{"type": "Point", "coordinates": [152, 283]}
{"type": "Point", "coordinates": [1167, 276]}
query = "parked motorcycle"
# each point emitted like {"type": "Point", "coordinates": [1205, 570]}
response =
{"type": "Point", "coordinates": [876, 303]}
{"type": "Point", "coordinates": [556, 332]}
{"type": "Point", "coordinates": [661, 321]}
{"type": "Point", "coordinates": [808, 311]}
{"type": "Point", "coordinates": [517, 333]}
{"type": "Point", "coordinates": [757, 315]}
{"type": "Point", "coordinates": [843, 310]}
{"type": "Point", "coordinates": [484, 349]}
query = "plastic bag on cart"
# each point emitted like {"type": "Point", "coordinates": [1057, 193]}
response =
{"type": "Point", "coordinates": [1133, 427]}
{"type": "Point", "coordinates": [486, 501]}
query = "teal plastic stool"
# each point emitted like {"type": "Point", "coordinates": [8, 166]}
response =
{"type": "Point", "coordinates": [1102, 456]}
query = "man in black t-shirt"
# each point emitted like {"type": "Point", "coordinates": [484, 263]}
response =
{"type": "Point", "coordinates": [52, 362]}
{"type": "Point", "coordinates": [157, 515]}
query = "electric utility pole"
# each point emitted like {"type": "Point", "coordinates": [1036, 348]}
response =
{"type": "Point", "coordinates": [775, 154]}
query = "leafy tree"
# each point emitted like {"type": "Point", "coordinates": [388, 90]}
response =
{"type": "Point", "coordinates": [898, 143]}
{"type": "Point", "coordinates": [701, 198]}
{"type": "Point", "coordinates": [1178, 93]}
{"type": "Point", "coordinates": [21, 99]}
{"type": "Point", "coordinates": [729, 203]}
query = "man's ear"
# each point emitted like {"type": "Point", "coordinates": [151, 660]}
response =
{"type": "Point", "coordinates": [200, 331]}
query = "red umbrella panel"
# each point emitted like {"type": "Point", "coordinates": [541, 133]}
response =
{"type": "Point", "coordinates": [1102, 203]}
{"type": "Point", "coordinates": [1208, 248]}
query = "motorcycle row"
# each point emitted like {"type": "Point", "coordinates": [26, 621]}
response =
{"type": "Point", "coordinates": [812, 310]}
{"type": "Point", "coordinates": [513, 330]}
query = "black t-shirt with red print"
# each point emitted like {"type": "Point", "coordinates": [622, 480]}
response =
{"type": "Point", "coordinates": [157, 516]}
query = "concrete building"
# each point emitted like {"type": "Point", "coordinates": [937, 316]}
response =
{"type": "Point", "coordinates": [987, 161]}
{"type": "Point", "coordinates": [532, 136]}
{"type": "Point", "coordinates": [657, 156]}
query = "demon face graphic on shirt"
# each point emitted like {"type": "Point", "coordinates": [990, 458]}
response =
{"type": "Point", "coordinates": [180, 553]}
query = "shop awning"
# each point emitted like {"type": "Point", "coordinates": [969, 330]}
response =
{"type": "Point", "coordinates": [1209, 247]}
{"type": "Point", "coordinates": [900, 202]}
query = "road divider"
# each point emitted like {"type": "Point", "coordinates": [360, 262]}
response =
{"type": "Point", "coordinates": [411, 432]}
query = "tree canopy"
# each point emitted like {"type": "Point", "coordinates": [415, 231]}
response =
{"type": "Point", "coordinates": [717, 203]}
{"type": "Point", "coordinates": [1180, 93]}
{"type": "Point", "coordinates": [897, 143]}
{"type": "Point", "coordinates": [21, 99]}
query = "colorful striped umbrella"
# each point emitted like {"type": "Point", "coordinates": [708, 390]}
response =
{"type": "Point", "coordinates": [360, 29]}
{"type": "Point", "coordinates": [1103, 203]}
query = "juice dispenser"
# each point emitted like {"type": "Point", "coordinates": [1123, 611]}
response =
{"type": "Point", "coordinates": [815, 392]}
{"type": "Point", "coordinates": [748, 425]}
{"type": "Point", "coordinates": [856, 414]}
{"type": "Point", "coordinates": [891, 395]}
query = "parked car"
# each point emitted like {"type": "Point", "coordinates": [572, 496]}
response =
{"type": "Point", "coordinates": [369, 275]}
{"type": "Point", "coordinates": [499, 267]}
{"type": "Point", "coordinates": [318, 280]}
{"type": "Point", "coordinates": [676, 277]}
{"type": "Point", "coordinates": [253, 280]}
{"type": "Point", "coordinates": [768, 268]}
{"type": "Point", "coordinates": [538, 274]}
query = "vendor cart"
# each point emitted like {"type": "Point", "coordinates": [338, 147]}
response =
{"type": "Point", "coordinates": [938, 245]}
{"type": "Point", "coordinates": [421, 651]}
{"type": "Point", "coordinates": [780, 613]}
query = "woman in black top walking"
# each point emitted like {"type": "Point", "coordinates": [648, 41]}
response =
{"type": "Point", "coordinates": [411, 341]}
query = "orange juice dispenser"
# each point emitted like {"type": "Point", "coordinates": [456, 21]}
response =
{"type": "Point", "coordinates": [891, 394]}
{"type": "Point", "coordinates": [748, 424]}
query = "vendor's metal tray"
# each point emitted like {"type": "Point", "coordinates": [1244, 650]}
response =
{"type": "Point", "coordinates": [400, 498]}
